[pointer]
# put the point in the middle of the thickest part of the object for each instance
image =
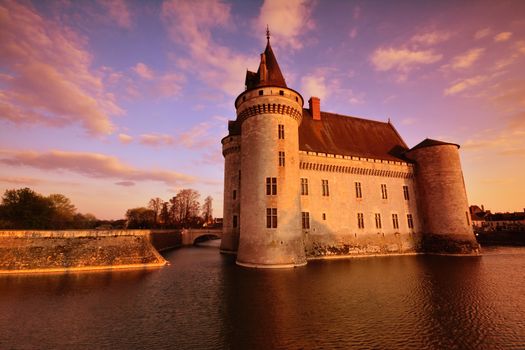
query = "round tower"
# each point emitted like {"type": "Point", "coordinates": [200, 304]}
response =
{"type": "Point", "coordinates": [443, 205]}
{"type": "Point", "coordinates": [269, 114]}
{"type": "Point", "coordinates": [231, 150]}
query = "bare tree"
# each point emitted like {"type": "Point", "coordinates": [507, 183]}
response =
{"type": "Point", "coordinates": [185, 207]}
{"type": "Point", "coordinates": [155, 204]}
{"type": "Point", "coordinates": [207, 211]}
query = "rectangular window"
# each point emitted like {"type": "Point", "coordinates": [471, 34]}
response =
{"type": "Point", "coordinates": [306, 219]}
{"type": "Point", "coordinates": [395, 221]}
{"type": "Point", "coordinates": [234, 194]}
{"type": "Point", "coordinates": [304, 186]}
{"type": "Point", "coordinates": [235, 221]}
{"type": "Point", "coordinates": [410, 221]}
{"type": "Point", "coordinates": [281, 132]}
{"type": "Point", "coordinates": [326, 189]}
{"type": "Point", "coordinates": [405, 193]}
{"type": "Point", "coordinates": [360, 220]}
{"type": "Point", "coordinates": [384, 193]}
{"type": "Point", "coordinates": [281, 158]}
{"type": "Point", "coordinates": [271, 186]}
{"type": "Point", "coordinates": [468, 221]}
{"type": "Point", "coordinates": [281, 92]}
{"type": "Point", "coordinates": [271, 217]}
{"type": "Point", "coordinates": [261, 92]}
{"type": "Point", "coordinates": [324, 216]}
{"type": "Point", "coordinates": [358, 193]}
{"type": "Point", "coordinates": [378, 220]}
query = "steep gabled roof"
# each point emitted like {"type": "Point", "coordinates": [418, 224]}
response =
{"type": "Point", "coordinates": [350, 136]}
{"type": "Point", "coordinates": [274, 77]}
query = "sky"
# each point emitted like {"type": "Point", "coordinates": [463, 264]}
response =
{"type": "Point", "coordinates": [112, 103]}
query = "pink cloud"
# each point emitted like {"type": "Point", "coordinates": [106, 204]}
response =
{"type": "Point", "coordinates": [125, 183]}
{"type": "Point", "coordinates": [118, 12]}
{"type": "Point", "coordinates": [124, 138]}
{"type": "Point", "coordinates": [143, 71]}
{"type": "Point", "coordinates": [289, 21]}
{"type": "Point", "coordinates": [93, 165]}
{"type": "Point", "coordinates": [156, 139]}
{"type": "Point", "coordinates": [158, 85]}
{"type": "Point", "coordinates": [503, 36]}
{"type": "Point", "coordinates": [49, 80]}
{"type": "Point", "coordinates": [211, 62]}
{"type": "Point", "coordinates": [402, 59]}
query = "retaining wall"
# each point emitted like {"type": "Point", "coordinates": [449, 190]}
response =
{"type": "Point", "coordinates": [60, 251]}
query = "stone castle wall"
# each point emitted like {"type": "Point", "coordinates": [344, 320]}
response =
{"type": "Point", "coordinates": [260, 146]}
{"type": "Point", "coordinates": [338, 234]}
{"type": "Point", "coordinates": [443, 200]}
{"type": "Point", "coordinates": [231, 150]}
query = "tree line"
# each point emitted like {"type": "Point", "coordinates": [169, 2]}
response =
{"type": "Point", "coordinates": [24, 209]}
{"type": "Point", "coordinates": [181, 211]}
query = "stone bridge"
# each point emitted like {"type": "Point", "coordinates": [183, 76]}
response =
{"type": "Point", "coordinates": [193, 236]}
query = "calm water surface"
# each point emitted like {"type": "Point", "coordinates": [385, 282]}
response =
{"type": "Point", "coordinates": [204, 301]}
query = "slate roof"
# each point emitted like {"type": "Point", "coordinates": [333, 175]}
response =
{"type": "Point", "coordinates": [350, 136]}
{"type": "Point", "coordinates": [430, 142]}
{"type": "Point", "coordinates": [274, 78]}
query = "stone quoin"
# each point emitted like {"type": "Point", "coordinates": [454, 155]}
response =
{"type": "Point", "coordinates": [301, 184]}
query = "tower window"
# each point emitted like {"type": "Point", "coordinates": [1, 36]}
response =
{"type": "Point", "coordinates": [271, 186]}
{"type": "Point", "coordinates": [360, 220]}
{"type": "Point", "coordinates": [306, 219]}
{"type": "Point", "coordinates": [358, 193]}
{"type": "Point", "coordinates": [326, 190]}
{"type": "Point", "coordinates": [244, 98]}
{"type": "Point", "coordinates": [234, 194]}
{"type": "Point", "coordinates": [271, 217]}
{"type": "Point", "coordinates": [281, 92]}
{"type": "Point", "coordinates": [261, 92]}
{"type": "Point", "coordinates": [405, 192]}
{"type": "Point", "coordinates": [281, 158]}
{"type": "Point", "coordinates": [304, 186]}
{"type": "Point", "coordinates": [395, 221]}
{"type": "Point", "coordinates": [281, 132]}
{"type": "Point", "coordinates": [468, 221]}
{"type": "Point", "coordinates": [324, 216]}
{"type": "Point", "coordinates": [384, 193]}
{"type": "Point", "coordinates": [410, 221]}
{"type": "Point", "coordinates": [235, 221]}
{"type": "Point", "coordinates": [378, 220]}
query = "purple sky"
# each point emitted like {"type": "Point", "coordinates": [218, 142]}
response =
{"type": "Point", "coordinates": [115, 102]}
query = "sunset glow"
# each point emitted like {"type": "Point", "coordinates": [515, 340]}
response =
{"type": "Point", "coordinates": [112, 103]}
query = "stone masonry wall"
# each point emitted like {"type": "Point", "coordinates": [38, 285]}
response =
{"type": "Point", "coordinates": [53, 251]}
{"type": "Point", "coordinates": [334, 228]}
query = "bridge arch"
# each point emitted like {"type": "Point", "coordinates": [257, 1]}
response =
{"type": "Point", "coordinates": [205, 237]}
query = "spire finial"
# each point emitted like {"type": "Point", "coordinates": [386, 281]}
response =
{"type": "Point", "coordinates": [268, 33]}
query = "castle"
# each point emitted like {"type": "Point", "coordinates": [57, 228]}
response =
{"type": "Point", "coordinates": [301, 184]}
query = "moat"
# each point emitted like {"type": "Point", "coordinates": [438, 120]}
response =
{"type": "Point", "coordinates": [202, 300]}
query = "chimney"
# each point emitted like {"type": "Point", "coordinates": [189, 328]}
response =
{"type": "Point", "coordinates": [315, 107]}
{"type": "Point", "coordinates": [263, 70]}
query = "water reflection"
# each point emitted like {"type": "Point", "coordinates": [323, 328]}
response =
{"type": "Point", "coordinates": [203, 300]}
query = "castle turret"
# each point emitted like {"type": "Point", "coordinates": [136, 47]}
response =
{"type": "Point", "coordinates": [442, 201]}
{"type": "Point", "coordinates": [269, 114]}
{"type": "Point", "coordinates": [231, 150]}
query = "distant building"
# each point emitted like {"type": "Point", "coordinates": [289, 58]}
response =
{"type": "Point", "coordinates": [497, 221]}
{"type": "Point", "coordinates": [301, 183]}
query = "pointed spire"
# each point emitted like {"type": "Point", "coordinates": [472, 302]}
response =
{"type": "Point", "coordinates": [269, 72]}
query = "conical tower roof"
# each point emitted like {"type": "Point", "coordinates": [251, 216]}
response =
{"type": "Point", "coordinates": [269, 73]}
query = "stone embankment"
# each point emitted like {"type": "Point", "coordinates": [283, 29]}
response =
{"type": "Point", "coordinates": [63, 251]}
